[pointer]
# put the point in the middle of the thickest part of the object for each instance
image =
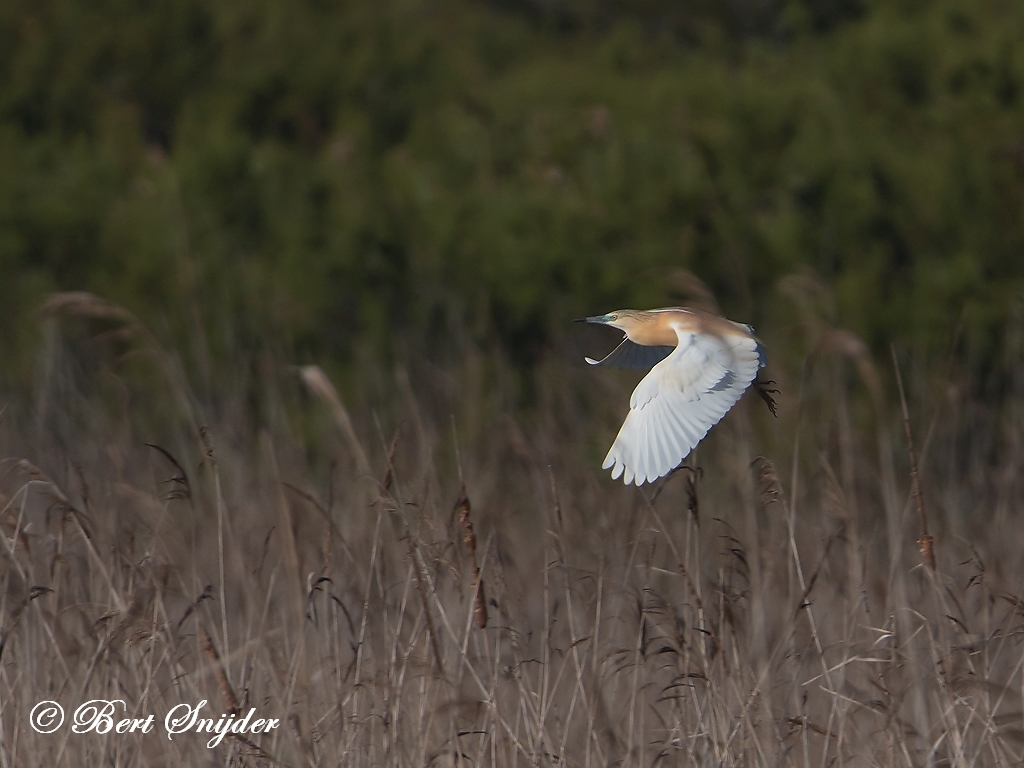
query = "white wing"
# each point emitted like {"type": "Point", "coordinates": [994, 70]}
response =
{"type": "Point", "coordinates": [683, 396]}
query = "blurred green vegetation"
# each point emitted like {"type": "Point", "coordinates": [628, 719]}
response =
{"type": "Point", "coordinates": [345, 177]}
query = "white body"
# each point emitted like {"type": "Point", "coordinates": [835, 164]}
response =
{"type": "Point", "coordinates": [684, 395]}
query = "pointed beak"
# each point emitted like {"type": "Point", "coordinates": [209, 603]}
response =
{"type": "Point", "coordinates": [597, 319]}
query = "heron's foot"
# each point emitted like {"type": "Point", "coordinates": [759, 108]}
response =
{"type": "Point", "coordinates": [765, 389]}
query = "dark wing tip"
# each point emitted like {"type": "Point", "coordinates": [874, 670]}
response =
{"type": "Point", "coordinates": [762, 356]}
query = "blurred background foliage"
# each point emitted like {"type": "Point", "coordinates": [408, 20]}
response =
{"type": "Point", "coordinates": [351, 179]}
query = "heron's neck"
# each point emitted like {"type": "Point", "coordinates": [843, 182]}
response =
{"type": "Point", "coordinates": [653, 330]}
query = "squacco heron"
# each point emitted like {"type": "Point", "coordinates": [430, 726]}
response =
{"type": "Point", "coordinates": [700, 365]}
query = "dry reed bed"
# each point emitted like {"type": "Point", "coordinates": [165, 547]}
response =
{"type": "Point", "coordinates": [727, 617]}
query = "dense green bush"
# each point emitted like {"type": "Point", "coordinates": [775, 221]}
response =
{"type": "Point", "coordinates": [340, 175]}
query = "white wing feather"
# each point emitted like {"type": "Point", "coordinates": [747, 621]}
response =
{"type": "Point", "coordinates": [683, 396]}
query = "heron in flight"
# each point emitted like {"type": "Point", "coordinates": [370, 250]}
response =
{"type": "Point", "coordinates": [700, 365]}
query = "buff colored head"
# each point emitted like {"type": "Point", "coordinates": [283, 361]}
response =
{"type": "Point", "coordinates": [626, 320]}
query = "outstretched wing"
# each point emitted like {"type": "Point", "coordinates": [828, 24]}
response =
{"type": "Point", "coordinates": [631, 355]}
{"type": "Point", "coordinates": [683, 396]}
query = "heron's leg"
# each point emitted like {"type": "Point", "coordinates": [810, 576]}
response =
{"type": "Point", "coordinates": [765, 389]}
